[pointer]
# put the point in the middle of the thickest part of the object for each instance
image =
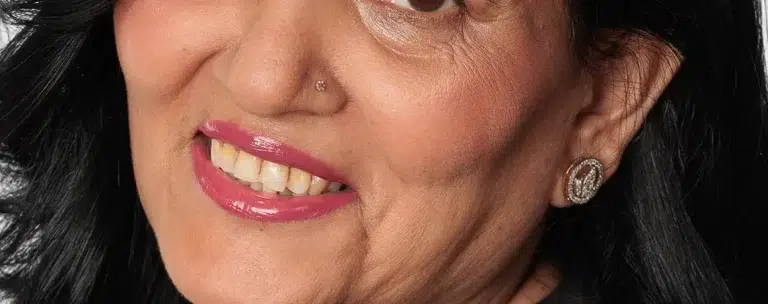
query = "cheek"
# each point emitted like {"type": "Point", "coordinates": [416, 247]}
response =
{"type": "Point", "coordinates": [499, 87]}
{"type": "Point", "coordinates": [459, 120]}
{"type": "Point", "coordinates": [160, 44]}
{"type": "Point", "coordinates": [445, 131]}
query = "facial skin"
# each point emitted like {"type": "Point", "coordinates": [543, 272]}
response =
{"type": "Point", "coordinates": [455, 128]}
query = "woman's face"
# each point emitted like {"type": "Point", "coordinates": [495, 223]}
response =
{"type": "Point", "coordinates": [449, 128]}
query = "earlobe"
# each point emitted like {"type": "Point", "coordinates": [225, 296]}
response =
{"type": "Point", "coordinates": [625, 86]}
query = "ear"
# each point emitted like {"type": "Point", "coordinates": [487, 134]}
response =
{"type": "Point", "coordinates": [623, 89]}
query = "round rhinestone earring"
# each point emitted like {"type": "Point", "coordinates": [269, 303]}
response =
{"type": "Point", "coordinates": [583, 179]}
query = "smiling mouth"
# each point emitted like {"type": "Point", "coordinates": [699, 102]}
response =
{"type": "Point", "coordinates": [258, 178]}
{"type": "Point", "coordinates": [265, 176]}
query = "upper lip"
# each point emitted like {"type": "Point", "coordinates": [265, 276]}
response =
{"type": "Point", "coordinates": [269, 149]}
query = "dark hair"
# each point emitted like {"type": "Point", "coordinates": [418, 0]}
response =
{"type": "Point", "coordinates": [680, 222]}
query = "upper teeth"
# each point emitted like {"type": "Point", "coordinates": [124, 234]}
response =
{"type": "Point", "coordinates": [267, 176]}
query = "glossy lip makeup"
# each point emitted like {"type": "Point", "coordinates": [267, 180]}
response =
{"type": "Point", "coordinates": [248, 203]}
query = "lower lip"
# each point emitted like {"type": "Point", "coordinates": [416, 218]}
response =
{"type": "Point", "coordinates": [249, 204]}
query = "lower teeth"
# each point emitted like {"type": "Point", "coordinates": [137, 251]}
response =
{"type": "Point", "coordinates": [286, 192]}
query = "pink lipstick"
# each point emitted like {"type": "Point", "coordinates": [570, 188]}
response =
{"type": "Point", "coordinates": [247, 203]}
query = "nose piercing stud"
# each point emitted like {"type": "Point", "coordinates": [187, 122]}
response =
{"type": "Point", "coordinates": [321, 86]}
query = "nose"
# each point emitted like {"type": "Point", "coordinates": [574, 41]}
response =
{"type": "Point", "coordinates": [277, 62]}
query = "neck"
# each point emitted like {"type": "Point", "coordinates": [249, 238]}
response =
{"type": "Point", "coordinates": [538, 286]}
{"type": "Point", "coordinates": [534, 288]}
{"type": "Point", "coordinates": [535, 282]}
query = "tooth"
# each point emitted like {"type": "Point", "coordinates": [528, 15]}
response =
{"type": "Point", "coordinates": [215, 152]}
{"type": "Point", "coordinates": [298, 181]}
{"type": "Point", "coordinates": [239, 181]}
{"type": "Point", "coordinates": [334, 187]}
{"type": "Point", "coordinates": [247, 167]}
{"type": "Point", "coordinates": [274, 176]}
{"type": "Point", "coordinates": [227, 158]}
{"type": "Point", "coordinates": [256, 186]}
{"type": "Point", "coordinates": [317, 185]}
{"type": "Point", "coordinates": [268, 191]}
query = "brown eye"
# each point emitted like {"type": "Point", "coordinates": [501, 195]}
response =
{"type": "Point", "coordinates": [427, 5]}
